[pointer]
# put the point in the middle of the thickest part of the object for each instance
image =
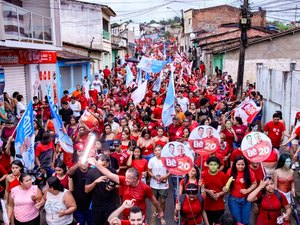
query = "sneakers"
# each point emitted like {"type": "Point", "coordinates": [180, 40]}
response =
{"type": "Point", "coordinates": [297, 164]}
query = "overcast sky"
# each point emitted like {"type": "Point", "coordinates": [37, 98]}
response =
{"type": "Point", "coordinates": [146, 10]}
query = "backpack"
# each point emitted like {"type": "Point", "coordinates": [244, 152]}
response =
{"type": "Point", "coordinates": [263, 195]}
{"type": "Point", "coordinates": [200, 198]}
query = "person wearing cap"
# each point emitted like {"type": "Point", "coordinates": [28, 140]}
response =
{"type": "Point", "coordinates": [75, 106]}
{"type": "Point", "coordinates": [106, 149]}
{"type": "Point", "coordinates": [121, 156]}
{"type": "Point", "coordinates": [190, 207]}
{"type": "Point", "coordinates": [97, 83]}
{"type": "Point", "coordinates": [78, 173]}
{"type": "Point", "coordinates": [133, 187]}
{"type": "Point", "coordinates": [102, 189]}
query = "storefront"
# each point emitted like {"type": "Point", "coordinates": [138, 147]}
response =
{"type": "Point", "coordinates": [22, 69]}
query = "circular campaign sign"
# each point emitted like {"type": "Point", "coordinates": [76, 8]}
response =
{"type": "Point", "coordinates": [256, 146]}
{"type": "Point", "coordinates": [177, 158]}
{"type": "Point", "coordinates": [204, 140]}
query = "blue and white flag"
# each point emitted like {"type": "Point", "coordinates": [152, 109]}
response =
{"type": "Point", "coordinates": [129, 76]}
{"type": "Point", "coordinates": [147, 76]}
{"type": "Point", "coordinates": [157, 83]}
{"type": "Point", "coordinates": [139, 79]}
{"type": "Point", "coordinates": [139, 94]}
{"type": "Point", "coordinates": [63, 138]}
{"type": "Point", "coordinates": [151, 65]}
{"type": "Point", "coordinates": [168, 111]}
{"type": "Point", "coordinates": [169, 59]}
{"type": "Point", "coordinates": [24, 141]}
{"type": "Point", "coordinates": [165, 52]}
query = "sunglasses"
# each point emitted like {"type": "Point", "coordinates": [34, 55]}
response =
{"type": "Point", "coordinates": [191, 191]}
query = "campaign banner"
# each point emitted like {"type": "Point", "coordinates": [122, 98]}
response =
{"type": "Point", "coordinates": [151, 65]}
{"type": "Point", "coordinates": [177, 158]}
{"type": "Point", "coordinates": [247, 110]}
{"type": "Point", "coordinates": [89, 119]}
{"type": "Point", "coordinates": [204, 140]}
{"type": "Point", "coordinates": [2, 80]}
{"type": "Point", "coordinates": [256, 146]}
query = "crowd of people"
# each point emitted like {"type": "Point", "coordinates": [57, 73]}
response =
{"type": "Point", "coordinates": [124, 166]}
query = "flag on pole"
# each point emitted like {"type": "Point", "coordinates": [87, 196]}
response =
{"type": "Point", "coordinates": [129, 76]}
{"type": "Point", "coordinates": [147, 76]}
{"type": "Point", "coordinates": [24, 142]}
{"type": "Point", "coordinates": [63, 138]}
{"type": "Point", "coordinates": [138, 95]}
{"type": "Point", "coordinates": [156, 85]}
{"type": "Point", "coordinates": [168, 111]}
{"type": "Point", "coordinates": [165, 52]}
{"type": "Point", "coordinates": [140, 79]}
{"type": "Point", "coordinates": [247, 110]}
{"type": "Point", "coordinates": [89, 119]}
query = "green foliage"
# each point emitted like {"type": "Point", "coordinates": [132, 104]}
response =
{"type": "Point", "coordinates": [280, 25]}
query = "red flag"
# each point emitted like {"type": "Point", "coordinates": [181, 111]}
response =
{"type": "Point", "coordinates": [89, 120]}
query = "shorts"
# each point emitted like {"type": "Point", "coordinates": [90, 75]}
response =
{"type": "Point", "coordinates": [214, 216]}
{"type": "Point", "coordinates": [295, 142]}
{"type": "Point", "coordinates": [160, 193]}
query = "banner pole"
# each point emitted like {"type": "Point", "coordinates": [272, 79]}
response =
{"type": "Point", "coordinates": [179, 217]}
{"type": "Point", "coordinates": [263, 169]}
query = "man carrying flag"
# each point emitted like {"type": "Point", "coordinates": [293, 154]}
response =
{"type": "Point", "coordinates": [24, 142]}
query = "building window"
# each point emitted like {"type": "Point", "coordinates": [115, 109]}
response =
{"type": "Point", "coordinates": [190, 20]}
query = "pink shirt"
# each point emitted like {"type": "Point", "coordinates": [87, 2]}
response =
{"type": "Point", "coordinates": [24, 208]}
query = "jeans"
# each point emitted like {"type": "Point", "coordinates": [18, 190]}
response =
{"type": "Point", "coordinates": [174, 182]}
{"type": "Point", "coordinates": [240, 208]}
{"type": "Point", "coordinates": [83, 217]}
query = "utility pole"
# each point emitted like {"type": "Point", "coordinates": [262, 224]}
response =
{"type": "Point", "coordinates": [245, 24]}
{"type": "Point", "coordinates": [296, 15]}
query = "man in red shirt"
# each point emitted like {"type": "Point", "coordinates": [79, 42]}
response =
{"type": "Point", "coordinates": [172, 129]}
{"type": "Point", "coordinates": [214, 180]}
{"type": "Point", "coordinates": [106, 73]}
{"type": "Point", "coordinates": [133, 188]}
{"type": "Point", "coordinates": [66, 97]}
{"type": "Point", "coordinates": [275, 130]}
{"type": "Point", "coordinates": [136, 216]}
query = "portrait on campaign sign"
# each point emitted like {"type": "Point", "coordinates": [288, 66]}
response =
{"type": "Point", "coordinates": [204, 140]}
{"type": "Point", "coordinates": [177, 158]}
{"type": "Point", "coordinates": [256, 146]}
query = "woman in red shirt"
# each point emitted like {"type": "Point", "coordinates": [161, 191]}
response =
{"type": "Point", "coordinates": [271, 202]}
{"type": "Point", "coordinates": [191, 178]}
{"type": "Point", "coordinates": [230, 135]}
{"type": "Point", "coordinates": [61, 173]}
{"type": "Point", "coordinates": [135, 160]}
{"type": "Point", "coordinates": [190, 208]}
{"type": "Point", "coordinates": [244, 182]}
{"type": "Point", "coordinates": [12, 180]}
{"type": "Point", "coordinates": [147, 144]}
{"type": "Point", "coordinates": [160, 139]}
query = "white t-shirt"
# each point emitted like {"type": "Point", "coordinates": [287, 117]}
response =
{"type": "Point", "coordinates": [20, 106]}
{"type": "Point", "coordinates": [97, 84]}
{"type": "Point", "coordinates": [184, 103]}
{"type": "Point", "coordinates": [86, 86]}
{"type": "Point", "coordinates": [157, 169]}
{"type": "Point", "coordinates": [74, 107]}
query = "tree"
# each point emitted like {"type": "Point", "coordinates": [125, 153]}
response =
{"type": "Point", "coordinates": [152, 21]}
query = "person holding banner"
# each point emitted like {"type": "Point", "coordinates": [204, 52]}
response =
{"type": "Point", "coordinates": [243, 183]}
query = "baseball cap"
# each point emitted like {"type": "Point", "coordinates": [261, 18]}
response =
{"type": "Point", "coordinates": [298, 115]}
{"type": "Point", "coordinates": [116, 142]}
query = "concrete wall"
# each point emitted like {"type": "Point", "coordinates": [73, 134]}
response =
{"type": "Point", "coordinates": [81, 22]}
{"type": "Point", "coordinates": [211, 18]}
{"type": "Point", "coordinates": [274, 54]}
